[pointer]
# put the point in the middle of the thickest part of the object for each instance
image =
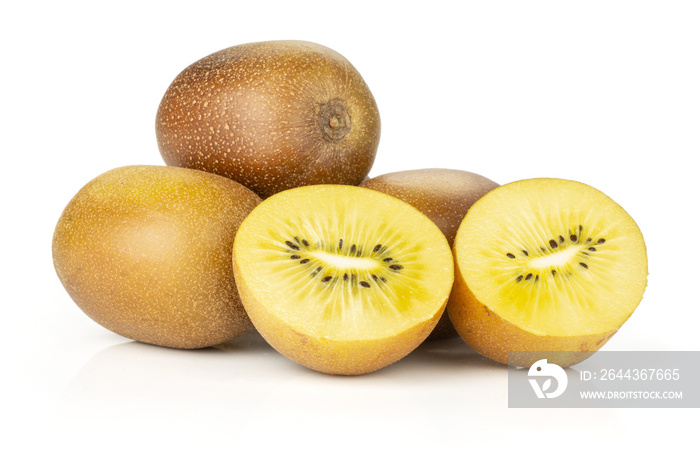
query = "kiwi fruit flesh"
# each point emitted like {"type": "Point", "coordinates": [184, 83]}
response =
{"type": "Point", "coordinates": [342, 279]}
{"type": "Point", "coordinates": [272, 116]}
{"type": "Point", "coordinates": [444, 196]}
{"type": "Point", "coordinates": [546, 266]}
{"type": "Point", "coordinates": [145, 251]}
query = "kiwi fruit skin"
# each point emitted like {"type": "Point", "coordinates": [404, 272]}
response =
{"type": "Point", "coordinates": [145, 251]}
{"type": "Point", "coordinates": [336, 356]}
{"type": "Point", "coordinates": [272, 116]}
{"type": "Point", "coordinates": [444, 196]}
{"type": "Point", "coordinates": [494, 336]}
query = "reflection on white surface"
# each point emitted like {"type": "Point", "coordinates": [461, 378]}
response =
{"type": "Point", "coordinates": [244, 393]}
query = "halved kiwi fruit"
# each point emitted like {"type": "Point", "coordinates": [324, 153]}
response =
{"type": "Point", "coordinates": [342, 279]}
{"type": "Point", "coordinates": [444, 196]}
{"type": "Point", "coordinates": [545, 265]}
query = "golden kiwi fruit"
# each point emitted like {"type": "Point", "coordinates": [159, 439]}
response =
{"type": "Point", "coordinates": [445, 196]}
{"type": "Point", "coordinates": [272, 116]}
{"type": "Point", "coordinates": [145, 251]}
{"type": "Point", "coordinates": [545, 268]}
{"type": "Point", "coordinates": [342, 279]}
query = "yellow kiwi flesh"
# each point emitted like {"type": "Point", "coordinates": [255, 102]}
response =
{"type": "Point", "coordinates": [444, 196]}
{"type": "Point", "coordinates": [342, 279]}
{"type": "Point", "coordinates": [545, 265]}
{"type": "Point", "coordinates": [145, 251]}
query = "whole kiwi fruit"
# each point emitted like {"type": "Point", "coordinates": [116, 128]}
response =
{"type": "Point", "coordinates": [145, 251]}
{"type": "Point", "coordinates": [272, 116]}
{"type": "Point", "coordinates": [444, 196]}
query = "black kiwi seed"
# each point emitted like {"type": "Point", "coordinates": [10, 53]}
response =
{"type": "Point", "coordinates": [365, 284]}
{"type": "Point", "coordinates": [304, 261]}
{"type": "Point", "coordinates": [375, 278]}
{"type": "Point", "coordinates": [553, 243]}
{"type": "Point", "coordinates": [327, 278]}
{"type": "Point", "coordinates": [525, 252]}
{"type": "Point", "coordinates": [554, 273]}
{"type": "Point", "coordinates": [512, 256]}
{"type": "Point", "coordinates": [306, 243]}
{"type": "Point", "coordinates": [340, 244]}
{"type": "Point", "coordinates": [353, 248]}
{"type": "Point", "coordinates": [377, 248]}
{"type": "Point", "coordinates": [345, 277]}
{"type": "Point", "coordinates": [561, 239]}
{"type": "Point", "coordinates": [518, 279]}
{"type": "Point", "coordinates": [592, 249]}
{"type": "Point", "coordinates": [387, 259]}
{"type": "Point", "coordinates": [588, 240]}
{"type": "Point", "coordinates": [396, 267]}
{"type": "Point", "coordinates": [573, 238]}
{"type": "Point", "coordinates": [382, 279]}
{"type": "Point", "coordinates": [583, 264]}
{"type": "Point", "coordinates": [528, 276]}
{"type": "Point", "coordinates": [601, 240]}
{"type": "Point", "coordinates": [292, 245]}
{"type": "Point", "coordinates": [295, 257]}
{"type": "Point", "coordinates": [315, 272]}
{"type": "Point", "coordinates": [537, 278]}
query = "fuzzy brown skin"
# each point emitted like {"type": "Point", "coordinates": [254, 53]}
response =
{"type": "Point", "coordinates": [444, 196]}
{"type": "Point", "coordinates": [493, 336]}
{"type": "Point", "coordinates": [146, 252]}
{"type": "Point", "coordinates": [272, 116]}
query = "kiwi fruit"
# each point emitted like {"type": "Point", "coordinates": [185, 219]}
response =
{"type": "Point", "coordinates": [145, 251]}
{"type": "Point", "coordinates": [342, 279]}
{"type": "Point", "coordinates": [445, 196]}
{"type": "Point", "coordinates": [548, 267]}
{"type": "Point", "coordinates": [272, 116]}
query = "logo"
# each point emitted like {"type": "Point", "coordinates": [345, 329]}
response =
{"type": "Point", "coordinates": [545, 371]}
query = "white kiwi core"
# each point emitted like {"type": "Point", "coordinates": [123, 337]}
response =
{"type": "Point", "coordinates": [339, 261]}
{"type": "Point", "coordinates": [556, 259]}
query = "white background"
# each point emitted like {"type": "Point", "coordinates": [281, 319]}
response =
{"type": "Point", "coordinates": [603, 92]}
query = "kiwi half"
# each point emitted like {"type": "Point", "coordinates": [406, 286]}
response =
{"type": "Point", "coordinates": [444, 196]}
{"type": "Point", "coordinates": [545, 265]}
{"type": "Point", "coordinates": [342, 279]}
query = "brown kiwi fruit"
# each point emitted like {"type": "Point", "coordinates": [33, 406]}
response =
{"type": "Point", "coordinates": [145, 251]}
{"type": "Point", "coordinates": [545, 268]}
{"type": "Point", "coordinates": [272, 116]}
{"type": "Point", "coordinates": [445, 196]}
{"type": "Point", "coordinates": [342, 279]}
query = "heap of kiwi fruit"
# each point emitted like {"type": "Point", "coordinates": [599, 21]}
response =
{"type": "Point", "coordinates": [264, 217]}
